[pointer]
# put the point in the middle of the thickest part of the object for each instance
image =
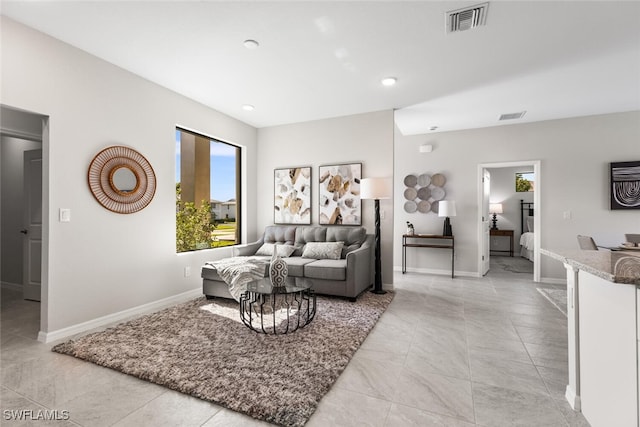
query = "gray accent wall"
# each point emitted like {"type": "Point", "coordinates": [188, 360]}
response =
{"type": "Point", "coordinates": [102, 263]}
{"type": "Point", "coordinates": [362, 138]}
{"type": "Point", "coordinates": [574, 153]}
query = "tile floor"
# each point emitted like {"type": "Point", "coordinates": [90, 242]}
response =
{"type": "Point", "coordinates": [448, 352]}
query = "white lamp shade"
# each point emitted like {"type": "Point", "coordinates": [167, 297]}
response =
{"type": "Point", "coordinates": [447, 208]}
{"type": "Point", "coordinates": [495, 208]}
{"type": "Point", "coordinates": [375, 188]}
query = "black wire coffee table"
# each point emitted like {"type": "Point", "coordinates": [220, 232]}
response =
{"type": "Point", "coordinates": [278, 310]}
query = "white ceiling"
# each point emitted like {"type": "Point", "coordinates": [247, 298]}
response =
{"type": "Point", "coordinates": [322, 59]}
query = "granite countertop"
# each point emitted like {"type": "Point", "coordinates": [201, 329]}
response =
{"type": "Point", "coordinates": [614, 266]}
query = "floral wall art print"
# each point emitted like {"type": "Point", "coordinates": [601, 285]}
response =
{"type": "Point", "coordinates": [292, 196]}
{"type": "Point", "coordinates": [625, 185]}
{"type": "Point", "coordinates": [339, 195]}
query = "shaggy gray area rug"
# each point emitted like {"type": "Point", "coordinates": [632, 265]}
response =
{"type": "Point", "coordinates": [557, 297]}
{"type": "Point", "coordinates": [199, 349]}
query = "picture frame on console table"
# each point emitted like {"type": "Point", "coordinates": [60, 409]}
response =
{"type": "Point", "coordinates": [625, 185]}
{"type": "Point", "coordinates": [292, 195]}
{"type": "Point", "coordinates": [339, 194]}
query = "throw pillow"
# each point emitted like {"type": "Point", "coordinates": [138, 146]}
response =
{"type": "Point", "coordinates": [284, 251]}
{"type": "Point", "coordinates": [323, 250]}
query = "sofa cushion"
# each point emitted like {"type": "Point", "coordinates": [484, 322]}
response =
{"type": "Point", "coordinates": [308, 234]}
{"type": "Point", "coordinates": [284, 251]}
{"type": "Point", "coordinates": [353, 237]}
{"type": "Point", "coordinates": [328, 269]}
{"type": "Point", "coordinates": [323, 250]}
{"type": "Point", "coordinates": [279, 234]}
{"type": "Point", "coordinates": [296, 265]}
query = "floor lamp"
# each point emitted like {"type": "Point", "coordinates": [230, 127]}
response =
{"type": "Point", "coordinates": [376, 189]}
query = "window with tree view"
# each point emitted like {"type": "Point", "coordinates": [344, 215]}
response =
{"type": "Point", "coordinates": [524, 181]}
{"type": "Point", "coordinates": [207, 192]}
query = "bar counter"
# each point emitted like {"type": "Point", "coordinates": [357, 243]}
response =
{"type": "Point", "coordinates": [603, 332]}
{"type": "Point", "coordinates": [614, 266]}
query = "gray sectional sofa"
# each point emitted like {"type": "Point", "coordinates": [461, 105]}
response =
{"type": "Point", "coordinates": [346, 277]}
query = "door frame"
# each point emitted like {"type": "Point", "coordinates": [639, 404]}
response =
{"type": "Point", "coordinates": [43, 137]}
{"type": "Point", "coordinates": [486, 238]}
{"type": "Point", "coordinates": [537, 197]}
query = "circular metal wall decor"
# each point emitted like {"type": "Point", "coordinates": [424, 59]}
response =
{"type": "Point", "coordinates": [410, 207]}
{"type": "Point", "coordinates": [438, 180]}
{"type": "Point", "coordinates": [424, 207]}
{"type": "Point", "coordinates": [410, 180]}
{"type": "Point", "coordinates": [410, 193]}
{"type": "Point", "coordinates": [424, 180]}
{"type": "Point", "coordinates": [121, 179]}
{"type": "Point", "coordinates": [423, 192]}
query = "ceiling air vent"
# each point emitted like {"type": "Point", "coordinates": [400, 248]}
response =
{"type": "Point", "coordinates": [466, 18]}
{"type": "Point", "coordinates": [512, 116]}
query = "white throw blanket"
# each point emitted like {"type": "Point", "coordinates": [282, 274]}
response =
{"type": "Point", "coordinates": [238, 271]}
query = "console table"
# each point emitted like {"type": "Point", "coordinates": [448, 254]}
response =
{"type": "Point", "coordinates": [427, 241]}
{"type": "Point", "coordinates": [505, 233]}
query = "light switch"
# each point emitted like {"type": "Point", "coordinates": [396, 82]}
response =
{"type": "Point", "coordinates": [65, 215]}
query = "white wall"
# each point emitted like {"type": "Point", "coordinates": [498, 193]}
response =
{"type": "Point", "coordinates": [101, 262]}
{"type": "Point", "coordinates": [11, 180]}
{"type": "Point", "coordinates": [365, 138]}
{"type": "Point", "coordinates": [503, 190]}
{"type": "Point", "coordinates": [575, 155]}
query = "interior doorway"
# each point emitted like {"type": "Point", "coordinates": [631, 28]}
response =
{"type": "Point", "coordinates": [23, 136]}
{"type": "Point", "coordinates": [511, 219]}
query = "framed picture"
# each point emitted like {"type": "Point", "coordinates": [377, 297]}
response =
{"type": "Point", "coordinates": [625, 185]}
{"type": "Point", "coordinates": [292, 196]}
{"type": "Point", "coordinates": [339, 195]}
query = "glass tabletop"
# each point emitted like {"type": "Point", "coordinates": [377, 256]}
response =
{"type": "Point", "coordinates": [292, 284]}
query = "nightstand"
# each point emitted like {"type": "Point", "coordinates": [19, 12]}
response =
{"type": "Point", "coordinates": [505, 233]}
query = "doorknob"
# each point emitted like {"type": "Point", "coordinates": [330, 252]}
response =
{"type": "Point", "coordinates": [25, 231]}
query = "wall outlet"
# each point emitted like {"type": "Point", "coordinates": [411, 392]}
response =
{"type": "Point", "coordinates": [566, 215]}
{"type": "Point", "coordinates": [187, 271]}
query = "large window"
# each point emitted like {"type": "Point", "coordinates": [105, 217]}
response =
{"type": "Point", "coordinates": [207, 192]}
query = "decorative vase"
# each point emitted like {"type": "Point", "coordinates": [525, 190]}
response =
{"type": "Point", "coordinates": [278, 269]}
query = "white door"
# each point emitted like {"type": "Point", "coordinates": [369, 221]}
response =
{"type": "Point", "coordinates": [32, 212]}
{"type": "Point", "coordinates": [486, 189]}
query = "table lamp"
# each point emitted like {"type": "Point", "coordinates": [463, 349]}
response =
{"type": "Point", "coordinates": [495, 208]}
{"type": "Point", "coordinates": [447, 208]}
{"type": "Point", "coordinates": [376, 189]}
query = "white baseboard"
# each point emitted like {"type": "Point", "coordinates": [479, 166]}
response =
{"type": "Point", "coordinates": [439, 272]}
{"type": "Point", "coordinates": [11, 286]}
{"type": "Point", "coordinates": [573, 399]}
{"type": "Point", "coordinates": [47, 337]}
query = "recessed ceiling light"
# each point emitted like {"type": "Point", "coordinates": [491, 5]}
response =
{"type": "Point", "coordinates": [248, 107]}
{"type": "Point", "coordinates": [251, 44]}
{"type": "Point", "coordinates": [389, 81]}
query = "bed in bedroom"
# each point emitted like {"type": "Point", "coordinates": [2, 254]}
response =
{"type": "Point", "coordinates": [526, 228]}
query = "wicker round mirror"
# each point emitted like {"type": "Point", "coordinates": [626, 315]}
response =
{"type": "Point", "coordinates": [122, 180]}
